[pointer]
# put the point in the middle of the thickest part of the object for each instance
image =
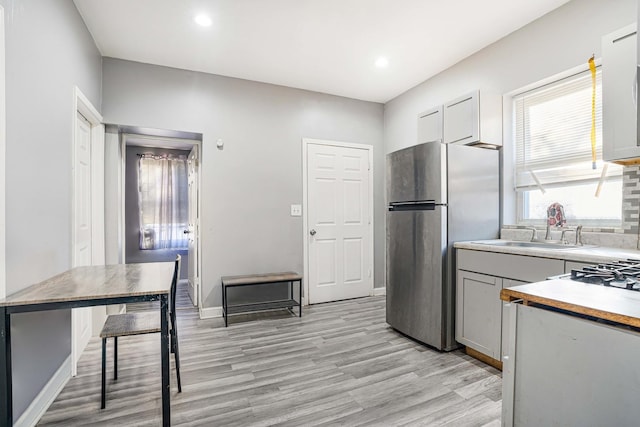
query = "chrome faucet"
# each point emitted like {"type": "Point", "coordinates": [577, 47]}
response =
{"type": "Point", "coordinates": [578, 231]}
{"type": "Point", "coordinates": [534, 233]}
{"type": "Point", "coordinates": [579, 235]}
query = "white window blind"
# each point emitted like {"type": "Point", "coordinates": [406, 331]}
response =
{"type": "Point", "coordinates": [553, 134]}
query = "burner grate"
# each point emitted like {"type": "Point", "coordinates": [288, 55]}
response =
{"type": "Point", "coordinates": [619, 274]}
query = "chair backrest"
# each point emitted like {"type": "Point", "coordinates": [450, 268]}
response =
{"type": "Point", "coordinates": [174, 286]}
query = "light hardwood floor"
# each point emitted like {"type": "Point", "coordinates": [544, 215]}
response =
{"type": "Point", "coordinates": [340, 364]}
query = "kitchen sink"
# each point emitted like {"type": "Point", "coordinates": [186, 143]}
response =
{"type": "Point", "coordinates": [536, 244]}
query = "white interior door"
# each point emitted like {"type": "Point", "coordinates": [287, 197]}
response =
{"type": "Point", "coordinates": [82, 227]}
{"type": "Point", "coordinates": [194, 224]}
{"type": "Point", "coordinates": [339, 223]}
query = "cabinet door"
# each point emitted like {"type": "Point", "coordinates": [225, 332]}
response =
{"type": "Point", "coordinates": [619, 88]}
{"type": "Point", "coordinates": [570, 265]}
{"type": "Point", "coordinates": [430, 125]}
{"type": "Point", "coordinates": [461, 123]}
{"type": "Point", "coordinates": [479, 312]}
{"type": "Point", "coordinates": [507, 283]}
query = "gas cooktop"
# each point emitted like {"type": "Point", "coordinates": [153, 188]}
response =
{"type": "Point", "coordinates": [618, 274]}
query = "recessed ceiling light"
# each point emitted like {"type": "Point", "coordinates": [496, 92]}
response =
{"type": "Point", "coordinates": [382, 62]}
{"type": "Point", "coordinates": [202, 20]}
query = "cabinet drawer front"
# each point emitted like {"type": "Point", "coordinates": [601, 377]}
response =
{"type": "Point", "coordinates": [518, 267]}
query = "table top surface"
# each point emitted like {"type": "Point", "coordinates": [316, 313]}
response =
{"type": "Point", "coordinates": [97, 282]}
{"type": "Point", "coordinates": [617, 305]}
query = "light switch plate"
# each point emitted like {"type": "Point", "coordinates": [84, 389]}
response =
{"type": "Point", "coordinates": [296, 210]}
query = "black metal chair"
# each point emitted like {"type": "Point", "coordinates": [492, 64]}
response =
{"type": "Point", "coordinates": [126, 324]}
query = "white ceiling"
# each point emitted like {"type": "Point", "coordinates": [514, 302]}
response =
{"type": "Point", "coordinates": [326, 46]}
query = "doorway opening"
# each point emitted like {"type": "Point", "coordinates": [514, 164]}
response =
{"type": "Point", "coordinates": [160, 202]}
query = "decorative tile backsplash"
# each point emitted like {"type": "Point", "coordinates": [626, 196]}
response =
{"type": "Point", "coordinates": [630, 199]}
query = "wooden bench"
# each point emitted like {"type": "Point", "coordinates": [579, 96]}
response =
{"type": "Point", "coordinates": [261, 279]}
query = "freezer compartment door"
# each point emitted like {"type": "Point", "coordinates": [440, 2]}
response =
{"type": "Point", "coordinates": [416, 248]}
{"type": "Point", "coordinates": [418, 174]}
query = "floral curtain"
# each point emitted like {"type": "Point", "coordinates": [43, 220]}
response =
{"type": "Point", "coordinates": [163, 201]}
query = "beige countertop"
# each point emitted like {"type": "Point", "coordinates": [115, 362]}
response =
{"type": "Point", "coordinates": [587, 254]}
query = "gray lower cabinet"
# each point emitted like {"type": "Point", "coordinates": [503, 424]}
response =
{"type": "Point", "coordinates": [480, 277]}
{"type": "Point", "coordinates": [478, 315]}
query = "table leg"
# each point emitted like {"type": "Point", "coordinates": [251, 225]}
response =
{"type": "Point", "coordinates": [6, 397]}
{"type": "Point", "coordinates": [164, 357]}
{"type": "Point", "coordinates": [104, 374]}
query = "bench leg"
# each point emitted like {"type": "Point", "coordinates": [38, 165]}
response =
{"type": "Point", "coordinates": [224, 306]}
{"type": "Point", "coordinates": [115, 358]}
{"type": "Point", "coordinates": [299, 298]}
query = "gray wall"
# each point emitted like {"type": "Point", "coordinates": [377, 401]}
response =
{"type": "Point", "coordinates": [133, 253]}
{"type": "Point", "coordinates": [247, 188]}
{"type": "Point", "coordinates": [48, 51]}
{"type": "Point", "coordinates": [563, 39]}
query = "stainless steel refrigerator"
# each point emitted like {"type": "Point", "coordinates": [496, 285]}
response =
{"type": "Point", "coordinates": [438, 194]}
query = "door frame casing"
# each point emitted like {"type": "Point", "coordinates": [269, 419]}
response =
{"type": "Point", "coordinates": [158, 139]}
{"type": "Point", "coordinates": [3, 146]}
{"type": "Point", "coordinates": [82, 105]}
{"type": "Point", "coordinates": [196, 226]}
{"type": "Point", "coordinates": [305, 204]}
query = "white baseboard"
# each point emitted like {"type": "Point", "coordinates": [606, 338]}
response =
{"type": "Point", "coordinates": [210, 312]}
{"type": "Point", "coordinates": [47, 395]}
{"type": "Point", "coordinates": [379, 291]}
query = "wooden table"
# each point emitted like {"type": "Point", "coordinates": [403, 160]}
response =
{"type": "Point", "coordinates": [85, 287]}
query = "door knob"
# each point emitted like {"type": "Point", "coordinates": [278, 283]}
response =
{"type": "Point", "coordinates": [186, 232]}
{"type": "Point", "coordinates": [312, 232]}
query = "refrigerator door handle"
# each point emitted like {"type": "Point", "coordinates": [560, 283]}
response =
{"type": "Point", "coordinates": [413, 202]}
{"type": "Point", "coordinates": [424, 205]}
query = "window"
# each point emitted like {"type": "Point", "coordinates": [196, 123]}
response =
{"type": "Point", "coordinates": [553, 154]}
{"type": "Point", "coordinates": [163, 201]}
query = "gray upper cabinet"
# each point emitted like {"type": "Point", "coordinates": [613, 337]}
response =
{"type": "Point", "coordinates": [430, 125]}
{"type": "Point", "coordinates": [473, 119]}
{"type": "Point", "coordinates": [619, 94]}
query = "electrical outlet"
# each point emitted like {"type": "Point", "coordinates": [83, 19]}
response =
{"type": "Point", "coordinates": [296, 210]}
